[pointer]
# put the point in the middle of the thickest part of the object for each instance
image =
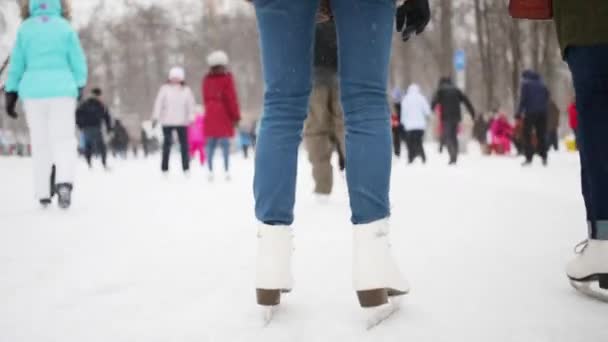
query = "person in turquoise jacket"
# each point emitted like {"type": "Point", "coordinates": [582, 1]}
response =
{"type": "Point", "coordinates": [48, 71]}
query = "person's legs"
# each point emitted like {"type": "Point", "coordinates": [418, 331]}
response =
{"type": "Point", "coordinates": [193, 147]}
{"type": "Point", "coordinates": [101, 147]}
{"type": "Point", "coordinates": [245, 151]}
{"type": "Point", "coordinates": [182, 135]}
{"type": "Point", "coordinates": [419, 149]}
{"type": "Point", "coordinates": [89, 146]}
{"type": "Point", "coordinates": [211, 146]}
{"type": "Point", "coordinates": [451, 140]}
{"type": "Point", "coordinates": [317, 138]}
{"type": "Point", "coordinates": [202, 154]}
{"type": "Point", "coordinates": [95, 138]}
{"type": "Point", "coordinates": [410, 146]}
{"type": "Point", "coordinates": [225, 146]}
{"type": "Point", "coordinates": [369, 24]}
{"type": "Point", "coordinates": [319, 154]}
{"type": "Point", "coordinates": [553, 140]}
{"type": "Point", "coordinates": [397, 142]}
{"type": "Point", "coordinates": [62, 123]}
{"type": "Point", "coordinates": [527, 135]}
{"type": "Point", "coordinates": [366, 110]}
{"type": "Point", "coordinates": [38, 122]}
{"type": "Point", "coordinates": [540, 126]}
{"type": "Point", "coordinates": [286, 36]}
{"type": "Point", "coordinates": [167, 144]}
{"type": "Point", "coordinates": [589, 66]}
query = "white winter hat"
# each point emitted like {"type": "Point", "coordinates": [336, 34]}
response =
{"type": "Point", "coordinates": [177, 73]}
{"type": "Point", "coordinates": [217, 58]}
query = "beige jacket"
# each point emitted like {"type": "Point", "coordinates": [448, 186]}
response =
{"type": "Point", "coordinates": [174, 106]}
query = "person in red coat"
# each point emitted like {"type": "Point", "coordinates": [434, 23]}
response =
{"type": "Point", "coordinates": [222, 112]}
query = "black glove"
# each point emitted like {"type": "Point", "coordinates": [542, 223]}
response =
{"type": "Point", "coordinates": [11, 99]}
{"type": "Point", "coordinates": [80, 93]}
{"type": "Point", "coordinates": [413, 17]}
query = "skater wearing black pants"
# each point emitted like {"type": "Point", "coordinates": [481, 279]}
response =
{"type": "Point", "coordinates": [449, 97]}
{"type": "Point", "coordinates": [416, 112]}
{"type": "Point", "coordinates": [175, 108]}
{"type": "Point", "coordinates": [91, 115]}
{"type": "Point", "coordinates": [583, 34]}
{"type": "Point", "coordinates": [533, 106]}
{"type": "Point", "coordinates": [399, 134]}
{"type": "Point", "coordinates": [553, 121]}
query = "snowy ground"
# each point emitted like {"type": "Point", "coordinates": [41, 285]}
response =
{"type": "Point", "coordinates": [142, 258]}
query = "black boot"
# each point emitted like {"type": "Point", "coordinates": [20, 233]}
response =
{"type": "Point", "coordinates": [64, 192]}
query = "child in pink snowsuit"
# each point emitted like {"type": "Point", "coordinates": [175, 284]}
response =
{"type": "Point", "coordinates": [501, 132]}
{"type": "Point", "coordinates": [196, 138]}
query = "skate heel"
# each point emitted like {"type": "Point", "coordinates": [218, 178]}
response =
{"type": "Point", "coordinates": [603, 281]}
{"type": "Point", "coordinates": [268, 297]}
{"type": "Point", "coordinates": [372, 298]}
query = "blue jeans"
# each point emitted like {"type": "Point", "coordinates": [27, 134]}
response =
{"type": "Point", "coordinates": [287, 30]}
{"type": "Point", "coordinates": [589, 66]}
{"type": "Point", "coordinates": [224, 144]}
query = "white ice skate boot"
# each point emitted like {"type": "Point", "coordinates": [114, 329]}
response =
{"type": "Point", "coordinates": [376, 276]}
{"type": "Point", "coordinates": [273, 267]}
{"type": "Point", "coordinates": [590, 268]}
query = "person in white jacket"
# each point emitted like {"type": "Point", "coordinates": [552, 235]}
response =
{"type": "Point", "coordinates": [415, 113]}
{"type": "Point", "coordinates": [174, 109]}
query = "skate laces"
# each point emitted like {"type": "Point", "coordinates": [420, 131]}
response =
{"type": "Point", "coordinates": [581, 246]}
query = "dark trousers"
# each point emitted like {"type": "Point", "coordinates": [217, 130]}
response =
{"type": "Point", "coordinates": [94, 143]}
{"type": "Point", "coordinates": [553, 140]}
{"type": "Point", "coordinates": [535, 122]}
{"type": "Point", "coordinates": [399, 136]}
{"type": "Point", "coordinates": [182, 135]}
{"type": "Point", "coordinates": [589, 67]}
{"type": "Point", "coordinates": [450, 136]}
{"type": "Point", "coordinates": [415, 145]}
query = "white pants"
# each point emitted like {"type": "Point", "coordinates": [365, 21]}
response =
{"type": "Point", "coordinates": [52, 124]}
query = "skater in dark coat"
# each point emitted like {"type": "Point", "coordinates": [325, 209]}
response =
{"type": "Point", "coordinates": [533, 107]}
{"type": "Point", "coordinates": [583, 33]}
{"type": "Point", "coordinates": [91, 115]}
{"type": "Point", "coordinates": [120, 140]}
{"type": "Point", "coordinates": [450, 98]}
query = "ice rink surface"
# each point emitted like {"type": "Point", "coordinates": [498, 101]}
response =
{"type": "Point", "coordinates": [144, 258]}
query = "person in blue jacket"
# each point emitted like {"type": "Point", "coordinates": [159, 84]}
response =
{"type": "Point", "coordinates": [48, 71]}
{"type": "Point", "coordinates": [533, 107]}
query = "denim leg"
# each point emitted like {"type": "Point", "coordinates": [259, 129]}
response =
{"type": "Point", "coordinates": [211, 146]}
{"type": "Point", "coordinates": [589, 67]}
{"type": "Point", "coordinates": [365, 29]}
{"type": "Point", "coordinates": [286, 37]}
{"type": "Point", "coordinates": [225, 145]}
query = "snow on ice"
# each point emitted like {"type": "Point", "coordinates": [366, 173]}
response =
{"type": "Point", "coordinates": [143, 258]}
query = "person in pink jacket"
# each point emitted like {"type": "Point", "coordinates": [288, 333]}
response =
{"type": "Point", "coordinates": [501, 132]}
{"type": "Point", "coordinates": [196, 138]}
